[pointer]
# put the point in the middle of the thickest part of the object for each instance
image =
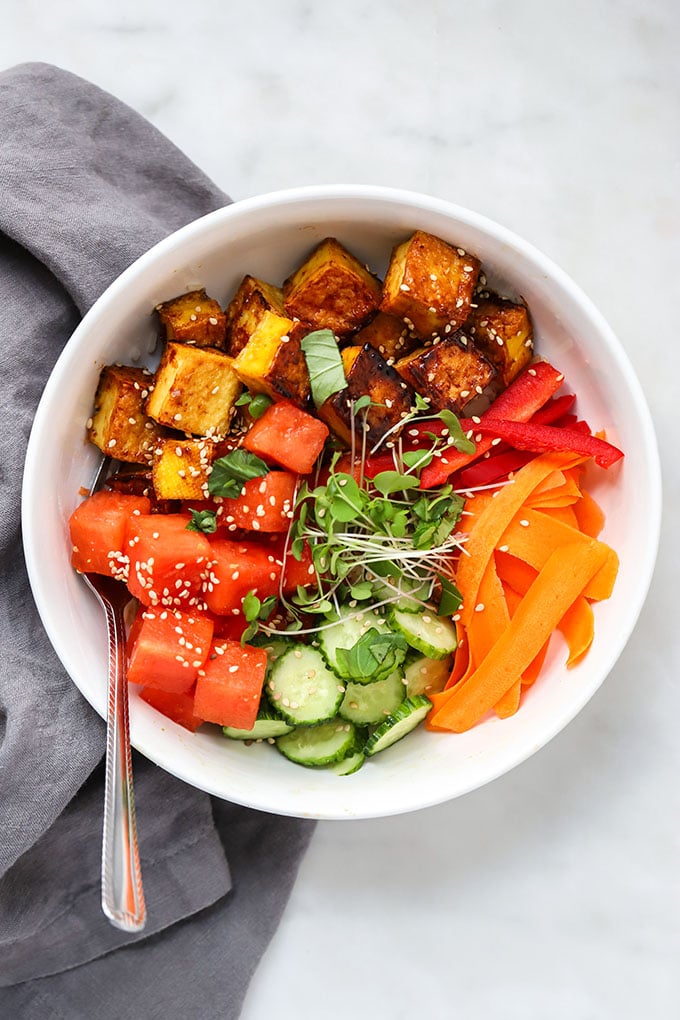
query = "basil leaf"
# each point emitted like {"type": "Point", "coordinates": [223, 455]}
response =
{"type": "Point", "coordinates": [203, 520]}
{"type": "Point", "coordinates": [324, 364]}
{"type": "Point", "coordinates": [460, 440]}
{"type": "Point", "coordinates": [231, 471]}
{"type": "Point", "coordinates": [393, 481]}
{"type": "Point", "coordinates": [372, 652]}
{"type": "Point", "coordinates": [450, 599]}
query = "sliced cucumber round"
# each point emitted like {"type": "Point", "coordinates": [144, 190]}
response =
{"type": "Point", "coordinates": [410, 714]}
{"type": "Point", "coordinates": [302, 688]}
{"type": "Point", "coordinates": [366, 704]}
{"type": "Point", "coordinates": [349, 626]}
{"type": "Point", "coordinates": [320, 745]}
{"type": "Point", "coordinates": [268, 725]}
{"type": "Point", "coordinates": [408, 594]}
{"type": "Point", "coordinates": [426, 676]}
{"type": "Point", "coordinates": [434, 636]}
{"type": "Point", "coordinates": [348, 766]}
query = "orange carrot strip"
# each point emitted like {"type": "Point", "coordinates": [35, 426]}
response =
{"type": "Point", "coordinates": [494, 519]}
{"type": "Point", "coordinates": [564, 514]}
{"type": "Point", "coordinates": [509, 703]}
{"type": "Point", "coordinates": [589, 515]}
{"type": "Point", "coordinates": [559, 583]}
{"type": "Point", "coordinates": [513, 599]}
{"type": "Point", "coordinates": [532, 536]}
{"type": "Point", "coordinates": [602, 584]}
{"type": "Point", "coordinates": [515, 573]}
{"type": "Point", "coordinates": [578, 628]}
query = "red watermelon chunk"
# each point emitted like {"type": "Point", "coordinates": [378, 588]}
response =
{"type": "Point", "coordinates": [170, 648]}
{"type": "Point", "coordinates": [287, 436]}
{"type": "Point", "coordinates": [238, 568]}
{"type": "Point", "coordinates": [229, 684]}
{"type": "Point", "coordinates": [265, 504]}
{"type": "Point", "coordinates": [178, 707]}
{"type": "Point", "coordinates": [168, 564]}
{"type": "Point", "coordinates": [97, 530]}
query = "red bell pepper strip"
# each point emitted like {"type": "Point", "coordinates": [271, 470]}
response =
{"type": "Point", "coordinates": [522, 399]}
{"type": "Point", "coordinates": [548, 439]}
{"type": "Point", "coordinates": [485, 472]}
{"type": "Point", "coordinates": [554, 409]}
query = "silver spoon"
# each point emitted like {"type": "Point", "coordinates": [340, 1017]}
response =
{"type": "Point", "coordinates": [122, 892]}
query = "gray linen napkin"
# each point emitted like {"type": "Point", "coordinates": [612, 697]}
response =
{"type": "Point", "coordinates": [86, 186]}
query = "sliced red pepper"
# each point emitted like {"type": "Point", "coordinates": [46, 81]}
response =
{"type": "Point", "coordinates": [548, 439]}
{"type": "Point", "coordinates": [523, 397]}
{"type": "Point", "coordinates": [485, 472]}
{"type": "Point", "coordinates": [554, 409]}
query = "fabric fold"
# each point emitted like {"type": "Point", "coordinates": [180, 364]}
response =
{"type": "Point", "coordinates": [87, 186]}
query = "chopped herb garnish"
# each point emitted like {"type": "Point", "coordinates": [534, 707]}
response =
{"type": "Point", "coordinates": [255, 403]}
{"type": "Point", "coordinates": [203, 520]}
{"type": "Point", "coordinates": [374, 652]}
{"type": "Point", "coordinates": [231, 471]}
{"type": "Point", "coordinates": [324, 364]}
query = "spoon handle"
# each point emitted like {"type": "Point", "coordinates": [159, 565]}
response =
{"type": "Point", "coordinates": [122, 892]}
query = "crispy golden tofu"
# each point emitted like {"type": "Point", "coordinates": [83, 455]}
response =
{"type": "Point", "coordinates": [194, 390]}
{"type": "Point", "coordinates": [181, 468]}
{"type": "Point", "coordinates": [390, 336]}
{"type": "Point", "coordinates": [254, 301]}
{"type": "Point", "coordinates": [272, 361]}
{"type": "Point", "coordinates": [332, 290]}
{"type": "Point", "coordinates": [120, 426]}
{"type": "Point", "coordinates": [502, 330]}
{"type": "Point", "coordinates": [367, 372]}
{"type": "Point", "coordinates": [451, 373]}
{"type": "Point", "coordinates": [193, 318]}
{"type": "Point", "coordinates": [429, 285]}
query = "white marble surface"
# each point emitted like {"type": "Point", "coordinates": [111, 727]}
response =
{"type": "Point", "coordinates": [554, 892]}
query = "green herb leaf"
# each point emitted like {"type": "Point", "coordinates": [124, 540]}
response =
{"type": "Point", "coordinates": [251, 606]}
{"type": "Point", "coordinates": [324, 364]}
{"type": "Point", "coordinates": [416, 459]}
{"type": "Point", "coordinates": [362, 403]}
{"type": "Point", "coordinates": [394, 481]}
{"type": "Point", "coordinates": [373, 652]}
{"type": "Point", "coordinates": [422, 403]}
{"type": "Point", "coordinates": [451, 599]}
{"type": "Point", "coordinates": [460, 440]}
{"type": "Point", "coordinates": [203, 520]}
{"type": "Point", "coordinates": [256, 403]}
{"type": "Point", "coordinates": [231, 471]}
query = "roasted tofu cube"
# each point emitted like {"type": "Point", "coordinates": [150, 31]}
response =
{"type": "Point", "coordinates": [272, 361]}
{"type": "Point", "coordinates": [452, 373]}
{"type": "Point", "coordinates": [181, 468]}
{"type": "Point", "coordinates": [332, 290]}
{"type": "Point", "coordinates": [367, 372]}
{"type": "Point", "coordinates": [120, 426]}
{"type": "Point", "coordinates": [390, 336]}
{"type": "Point", "coordinates": [194, 390]}
{"type": "Point", "coordinates": [502, 330]}
{"type": "Point", "coordinates": [429, 285]}
{"type": "Point", "coordinates": [193, 318]}
{"type": "Point", "coordinates": [254, 302]}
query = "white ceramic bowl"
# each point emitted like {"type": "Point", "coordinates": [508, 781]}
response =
{"type": "Point", "coordinates": [267, 237]}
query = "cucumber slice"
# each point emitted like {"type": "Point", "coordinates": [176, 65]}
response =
{"type": "Point", "coordinates": [365, 704]}
{"type": "Point", "coordinates": [268, 725]}
{"type": "Point", "coordinates": [350, 625]}
{"type": "Point", "coordinates": [319, 745]}
{"type": "Point", "coordinates": [434, 636]}
{"type": "Point", "coordinates": [274, 647]}
{"type": "Point", "coordinates": [426, 676]}
{"type": "Point", "coordinates": [410, 714]}
{"type": "Point", "coordinates": [413, 593]}
{"type": "Point", "coordinates": [302, 688]}
{"type": "Point", "coordinates": [348, 766]}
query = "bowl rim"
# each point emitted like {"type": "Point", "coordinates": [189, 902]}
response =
{"type": "Point", "coordinates": [414, 200]}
